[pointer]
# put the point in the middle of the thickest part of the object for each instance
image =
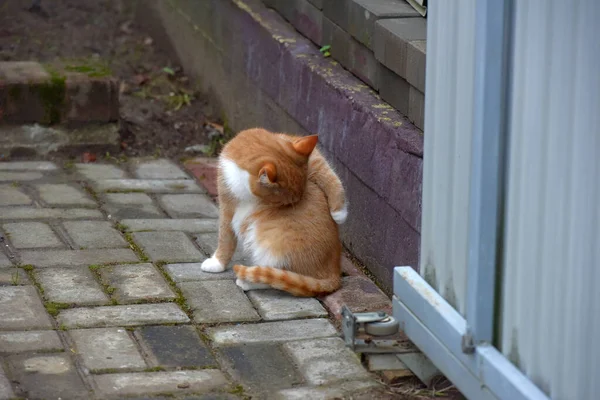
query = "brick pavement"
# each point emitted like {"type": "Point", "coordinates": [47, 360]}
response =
{"type": "Point", "coordinates": [102, 296]}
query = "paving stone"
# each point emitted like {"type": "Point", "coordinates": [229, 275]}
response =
{"type": "Point", "coordinates": [12, 196]}
{"type": "Point", "coordinates": [175, 346]}
{"type": "Point", "coordinates": [128, 199]}
{"type": "Point", "coordinates": [394, 89]}
{"type": "Point", "coordinates": [71, 286]}
{"type": "Point", "coordinates": [337, 391]}
{"type": "Point", "coordinates": [218, 301]}
{"type": "Point", "coordinates": [187, 272]}
{"type": "Point", "coordinates": [317, 3]}
{"type": "Point", "coordinates": [19, 176]}
{"type": "Point", "coordinates": [21, 309]}
{"type": "Point", "coordinates": [28, 166]}
{"type": "Point", "coordinates": [62, 194]}
{"type": "Point", "coordinates": [353, 55]}
{"type": "Point", "coordinates": [261, 367]}
{"type": "Point", "coordinates": [14, 213]}
{"type": "Point", "coordinates": [208, 244]}
{"type": "Point", "coordinates": [131, 205]}
{"type": "Point", "coordinates": [269, 332]}
{"type": "Point", "coordinates": [73, 258]}
{"type": "Point", "coordinates": [149, 185]}
{"type": "Point", "coordinates": [107, 348]}
{"type": "Point", "coordinates": [390, 40]}
{"type": "Point", "coordinates": [303, 15]}
{"type": "Point", "coordinates": [176, 382]}
{"type": "Point", "coordinates": [167, 246]}
{"type": "Point", "coordinates": [100, 171]}
{"type": "Point", "coordinates": [416, 107]}
{"type": "Point", "coordinates": [348, 267]}
{"type": "Point", "coordinates": [159, 169]}
{"type": "Point", "coordinates": [47, 376]}
{"type": "Point", "coordinates": [134, 282]}
{"type": "Point", "coordinates": [21, 341]}
{"type": "Point", "coordinates": [324, 361]}
{"type": "Point", "coordinates": [6, 391]}
{"type": "Point", "coordinates": [274, 305]}
{"type": "Point", "coordinates": [183, 225]}
{"type": "Point", "coordinates": [13, 276]}
{"type": "Point", "coordinates": [189, 205]}
{"type": "Point", "coordinates": [30, 235]}
{"type": "Point", "coordinates": [359, 294]}
{"type": "Point", "coordinates": [415, 63]}
{"type": "Point", "coordinates": [94, 234]}
{"type": "Point", "coordinates": [4, 261]}
{"type": "Point", "coordinates": [129, 315]}
{"type": "Point", "coordinates": [358, 17]}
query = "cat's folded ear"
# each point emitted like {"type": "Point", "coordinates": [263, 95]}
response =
{"type": "Point", "coordinates": [268, 173]}
{"type": "Point", "coordinates": [305, 145]}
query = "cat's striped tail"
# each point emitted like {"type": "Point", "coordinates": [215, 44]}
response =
{"type": "Point", "coordinates": [291, 282]}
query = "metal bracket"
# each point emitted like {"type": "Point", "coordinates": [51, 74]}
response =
{"type": "Point", "coordinates": [375, 324]}
{"type": "Point", "coordinates": [467, 343]}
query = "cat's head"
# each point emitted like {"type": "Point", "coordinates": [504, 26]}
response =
{"type": "Point", "coordinates": [272, 167]}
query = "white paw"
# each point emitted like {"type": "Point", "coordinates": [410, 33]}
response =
{"type": "Point", "coordinates": [212, 265]}
{"type": "Point", "coordinates": [245, 286]}
{"type": "Point", "coordinates": [340, 216]}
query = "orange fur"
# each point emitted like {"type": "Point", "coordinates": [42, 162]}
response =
{"type": "Point", "coordinates": [288, 220]}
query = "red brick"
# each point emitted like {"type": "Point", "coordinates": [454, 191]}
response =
{"type": "Point", "coordinates": [348, 267]}
{"type": "Point", "coordinates": [205, 170]}
{"type": "Point", "coordinates": [359, 294]}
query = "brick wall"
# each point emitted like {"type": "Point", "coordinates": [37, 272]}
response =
{"type": "Point", "coordinates": [382, 42]}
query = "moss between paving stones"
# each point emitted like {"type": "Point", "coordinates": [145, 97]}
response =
{"type": "Point", "coordinates": [180, 299]}
{"type": "Point", "coordinates": [52, 94]}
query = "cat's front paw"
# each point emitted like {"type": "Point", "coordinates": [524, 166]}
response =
{"type": "Point", "coordinates": [244, 285]}
{"type": "Point", "coordinates": [340, 215]}
{"type": "Point", "coordinates": [212, 265]}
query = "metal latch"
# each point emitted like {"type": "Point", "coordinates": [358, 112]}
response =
{"type": "Point", "coordinates": [376, 323]}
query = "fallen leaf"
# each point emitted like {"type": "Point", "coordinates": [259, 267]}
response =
{"type": "Point", "coordinates": [126, 27]}
{"type": "Point", "coordinates": [140, 79]}
{"type": "Point", "coordinates": [88, 157]}
{"type": "Point", "coordinates": [215, 126]}
{"type": "Point", "coordinates": [148, 41]}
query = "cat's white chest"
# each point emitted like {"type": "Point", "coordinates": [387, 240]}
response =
{"type": "Point", "coordinates": [242, 212]}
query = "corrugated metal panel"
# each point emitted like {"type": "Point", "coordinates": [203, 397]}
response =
{"type": "Point", "coordinates": [448, 128]}
{"type": "Point", "coordinates": [550, 316]}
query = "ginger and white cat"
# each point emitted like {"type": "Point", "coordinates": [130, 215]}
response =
{"type": "Point", "coordinates": [282, 200]}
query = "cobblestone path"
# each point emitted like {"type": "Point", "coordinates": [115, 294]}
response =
{"type": "Point", "coordinates": [102, 296]}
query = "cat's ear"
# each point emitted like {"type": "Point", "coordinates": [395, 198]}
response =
{"type": "Point", "coordinates": [305, 145]}
{"type": "Point", "coordinates": [268, 173]}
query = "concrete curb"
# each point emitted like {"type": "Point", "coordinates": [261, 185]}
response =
{"type": "Point", "coordinates": [263, 73]}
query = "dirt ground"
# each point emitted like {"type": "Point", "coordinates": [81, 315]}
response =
{"type": "Point", "coordinates": [161, 113]}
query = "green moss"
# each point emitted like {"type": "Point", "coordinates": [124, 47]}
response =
{"type": "Point", "coordinates": [14, 92]}
{"type": "Point", "coordinates": [94, 69]}
{"type": "Point", "coordinates": [180, 299]}
{"type": "Point", "coordinates": [27, 267]}
{"type": "Point", "coordinates": [154, 369]}
{"type": "Point", "coordinates": [54, 308]}
{"type": "Point", "coordinates": [136, 249]}
{"type": "Point", "coordinates": [52, 94]}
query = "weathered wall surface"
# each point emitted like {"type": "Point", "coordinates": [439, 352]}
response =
{"type": "Point", "coordinates": [262, 72]}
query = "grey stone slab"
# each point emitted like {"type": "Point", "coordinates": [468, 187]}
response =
{"type": "Point", "coordinates": [416, 107]}
{"type": "Point", "coordinates": [167, 246]}
{"type": "Point", "coordinates": [175, 382]}
{"type": "Point", "coordinates": [141, 211]}
{"type": "Point", "coordinates": [61, 194]}
{"type": "Point", "coordinates": [208, 243]}
{"type": "Point", "coordinates": [264, 368]}
{"type": "Point", "coordinates": [175, 346]}
{"type": "Point", "coordinates": [149, 185]}
{"type": "Point", "coordinates": [358, 17]}
{"type": "Point", "coordinates": [394, 89]}
{"type": "Point", "coordinates": [6, 391]}
{"type": "Point", "coordinates": [100, 171]}
{"type": "Point", "coordinates": [13, 196]}
{"type": "Point", "coordinates": [19, 213]}
{"type": "Point", "coordinates": [128, 199]}
{"type": "Point", "coordinates": [336, 391]}
{"type": "Point", "coordinates": [323, 361]}
{"type": "Point", "coordinates": [19, 176]}
{"type": "Point", "coordinates": [415, 63]}
{"type": "Point", "coordinates": [47, 376]}
{"type": "Point", "coordinates": [268, 332]}
{"type": "Point", "coordinates": [73, 258]}
{"type": "Point", "coordinates": [71, 285]}
{"type": "Point", "coordinates": [274, 305]}
{"type": "Point", "coordinates": [317, 3]}
{"type": "Point", "coordinates": [4, 261]}
{"type": "Point", "coordinates": [183, 225]}
{"type": "Point", "coordinates": [21, 309]}
{"type": "Point", "coordinates": [158, 169]}
{"type": "Point", "coordinates": [30, 235]}
{"type": "Point", "coordinates": [27, 166]}
{"type": "Point", "coordinates": [128, 315]}
{"type": "Point", "coordinates": [13, 276]}
{"type": "Point", "coordinates": [107, 348]}
{"type": "Point", "coordinates": [94, 234]}
{"type": "Point", "coordinates": [391, 38]}
{"type": "Point", "coordinates": [189, 205]}
{"type": "Point", "coordinates": [134, 282]}
{"type": "Point", "coordinates": [188, 272]}
{"type": "Point", "coordinates": [22, 341]}
{"type": "Point", "coordinates": [303, 15]}
{"type": "Point", "coordinates": [218, 301]}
